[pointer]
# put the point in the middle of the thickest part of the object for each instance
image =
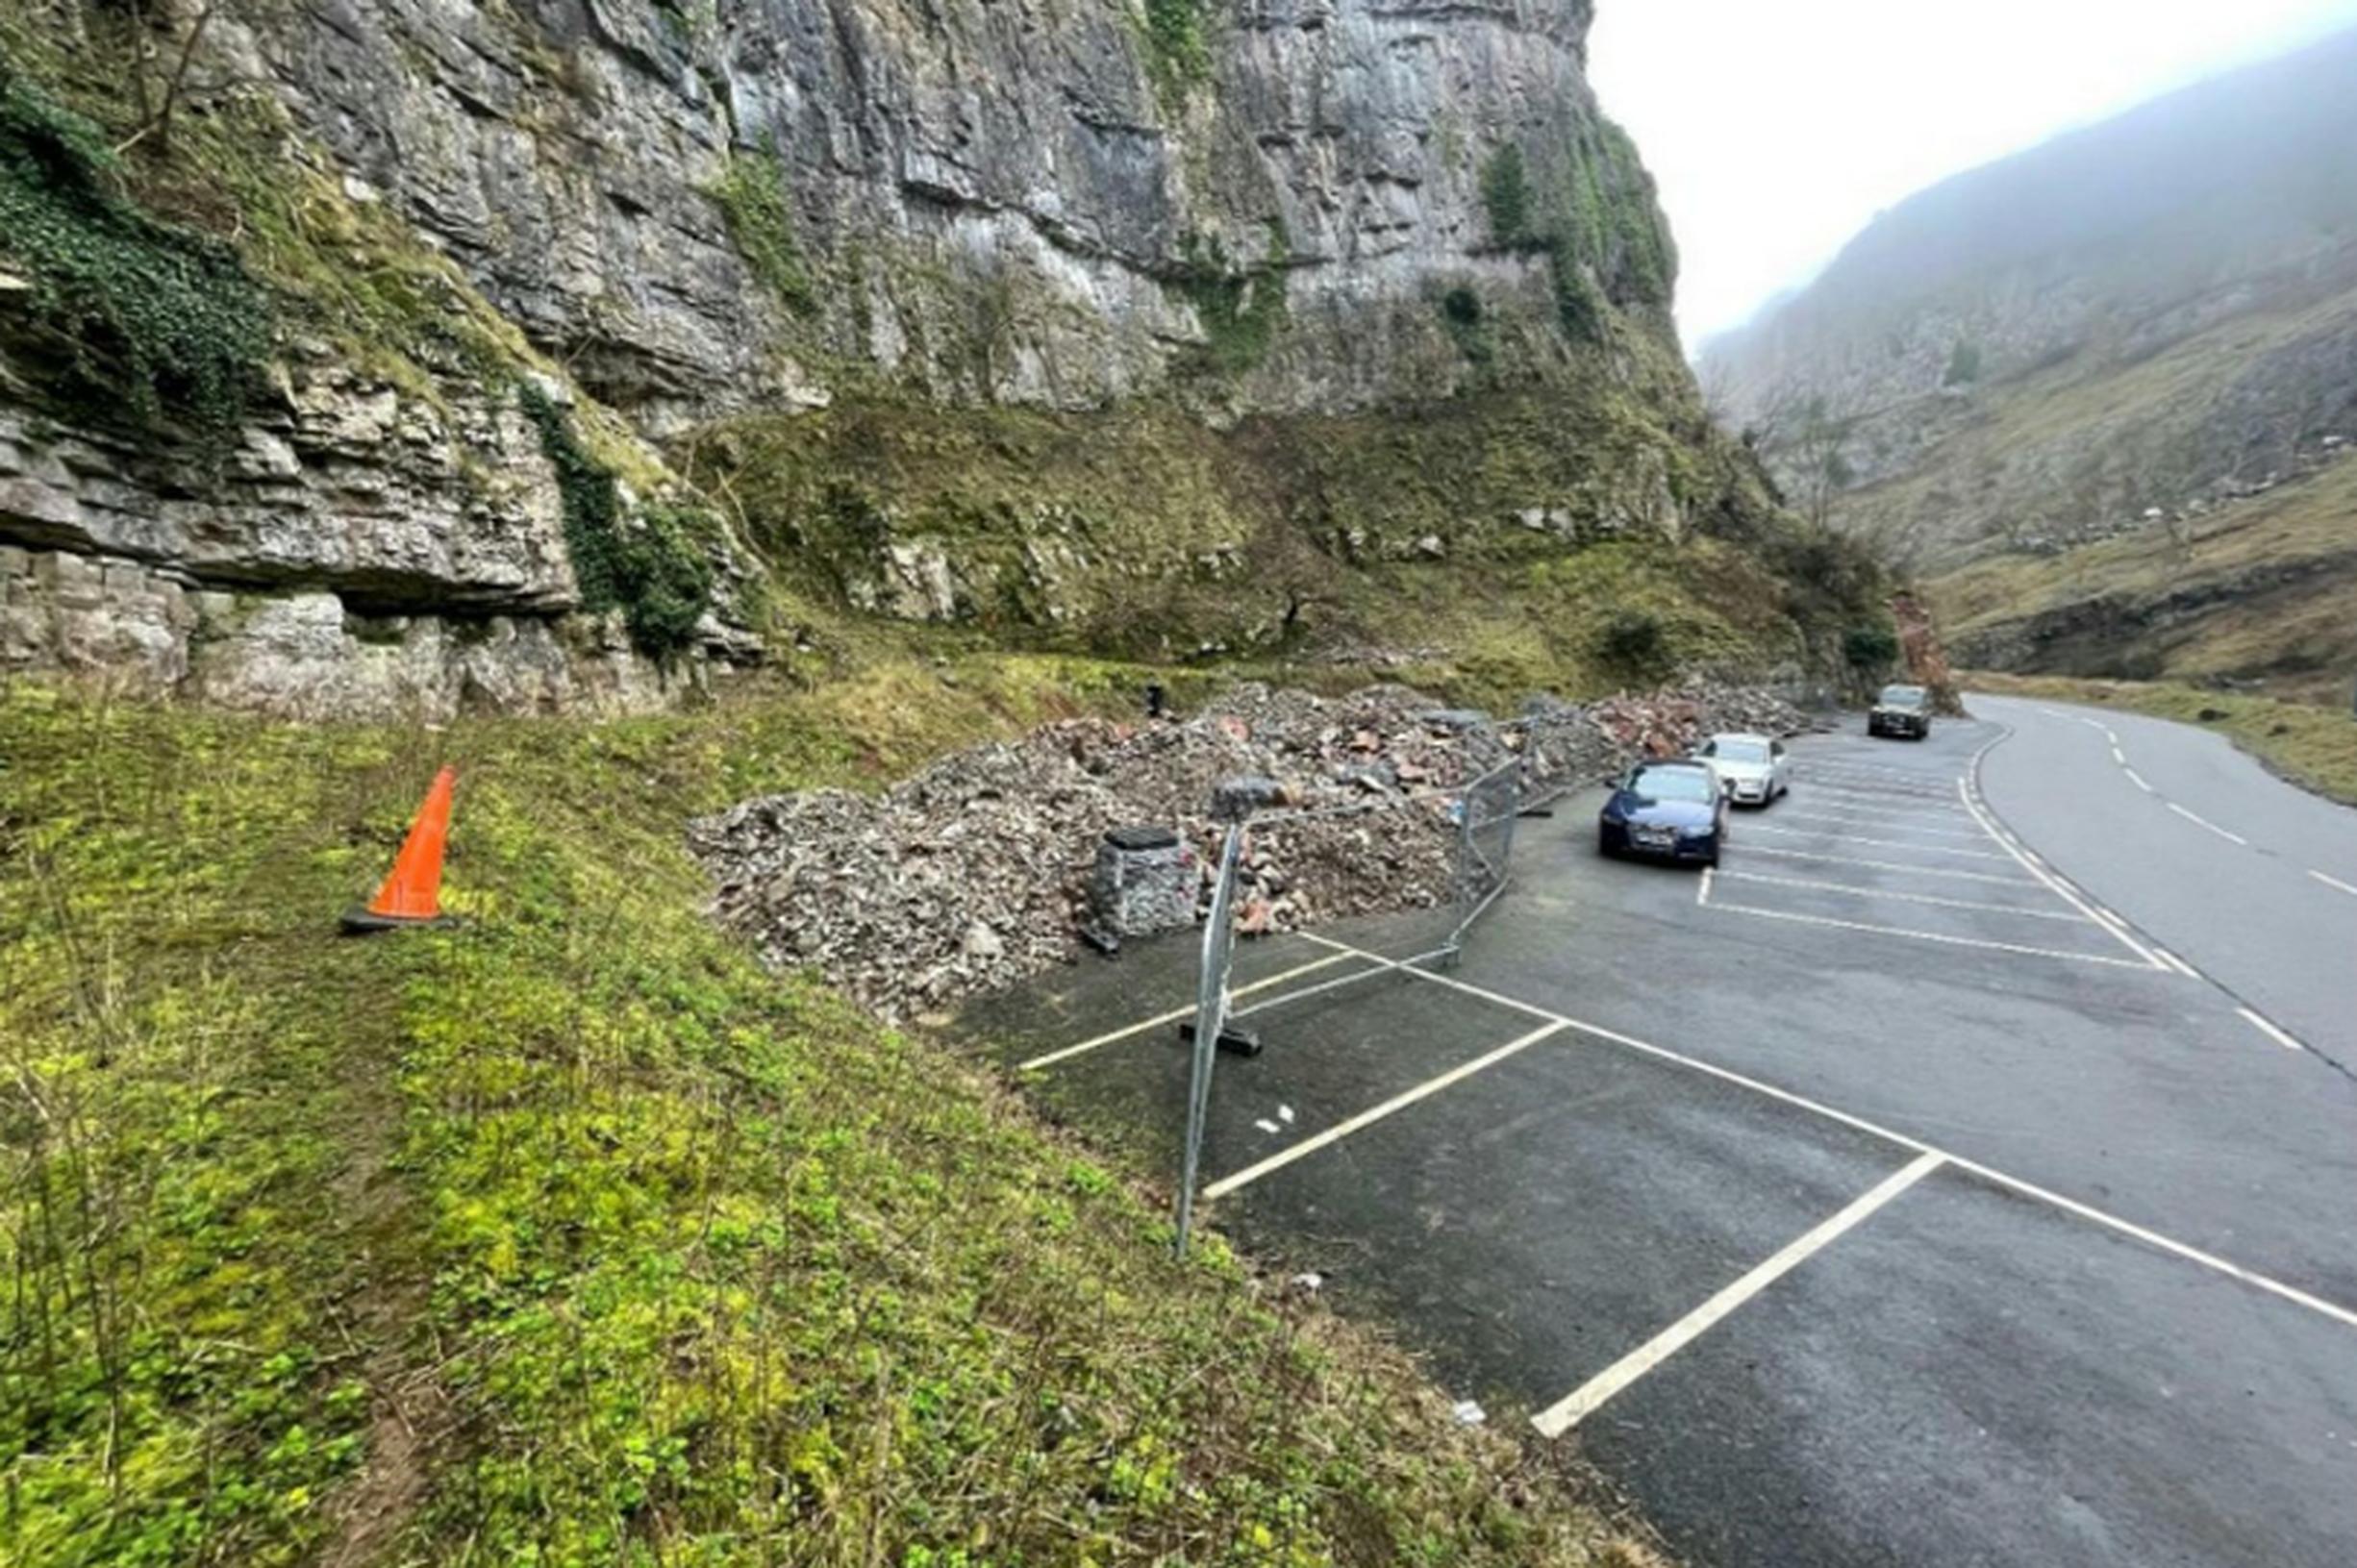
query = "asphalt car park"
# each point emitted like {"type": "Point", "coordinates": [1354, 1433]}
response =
{"type": "Point", "coordinates": [1880, 1197]}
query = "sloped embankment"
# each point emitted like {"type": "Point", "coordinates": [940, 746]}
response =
{"type": "Point", "coordinates": [568, 1233]}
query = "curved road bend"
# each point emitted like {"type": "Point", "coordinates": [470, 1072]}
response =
{"type": "Point", "coordinates": [2251, 881]}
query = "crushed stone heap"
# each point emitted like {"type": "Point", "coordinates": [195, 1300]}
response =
{"type": "Point", "coordinates": [974, 874]}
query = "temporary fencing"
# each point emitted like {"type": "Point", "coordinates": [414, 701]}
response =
{"type": "Point", "coordinates": [1472, 823]}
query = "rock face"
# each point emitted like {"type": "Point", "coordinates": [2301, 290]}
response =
{"type": "Point", "coordinates": [2101, 334]}
{"type": "Point", "coordinates": [1024, 201]}
{"type": "Point", "coordinates": [673, 218]}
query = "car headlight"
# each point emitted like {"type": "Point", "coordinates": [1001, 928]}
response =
{"type": "Point", "coordinates": [1703, 832]}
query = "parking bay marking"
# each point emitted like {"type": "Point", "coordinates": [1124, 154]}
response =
{"type": "Point", "coordinates": [2067, 916]}
{"type": "Point", "coordinates": [2264, 1027]}
{"type": "Point", "coordinates": [2334, 882]}
{"type": "Point", "coordinates": [1389, 1108]}
{"type": "Point", "coordinates": [1727, 1075]}
{"type": "Point", "coordinates": [1882, 865]}
{"type": "Point", "coordinates": [1585, 1401]}
{"type": "Point", "coordinates": [1878, 824]}
{"type": "Point", "coordinates": [1877, 843]}
{"type": "Point", "coordinates": [1173, 1016]}
{"type": "Point", "coordinates": [1941, 937]}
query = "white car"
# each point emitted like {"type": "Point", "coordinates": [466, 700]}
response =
{"type": "Point", "coordinates": [1753, 770]}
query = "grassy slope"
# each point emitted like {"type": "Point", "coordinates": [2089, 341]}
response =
{"type": "Point", "coordinates": [567, 1236]}
{"type": "Point", "coordinates": [2299, 636]}
{"type": "Point", "coordinates": [2313, 747]}
{"type": "Point", "coordinates": [2053, 450]}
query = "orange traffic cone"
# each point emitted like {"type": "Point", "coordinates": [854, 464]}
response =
{"type": "Point", "coordinates": [412, 896]}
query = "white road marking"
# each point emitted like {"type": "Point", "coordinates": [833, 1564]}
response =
{"type": "Point", "coordinates": [2137, 779]}
{"type": "Point", "coordinates": [1932, 801]}
{"type": "Point", "coordinates": [2334, 882]}
{"type": "Point", "coordinates": [1876, 823]}
{"type": "Point", "coordinates": [2030, 863]}
{"type": "Point", "coordinates": [1702, 894]}
{"type": "Point", "coordinates": [1172, 1017]}
{"type": "Point", "coordinates": [1589, 1397]}
{"type": "Point", "coordinates": [1389, 1108]}
{"type": "Point", "coordinates": [2111, 734]}
{"type": "Point", "coordinates": [1882, 865]}
{"type": "Point", "coordinates": [1750, 828]}
{"type": "Point", "coordinates": [2069, 916]}
{"type": "Point", "coordinates": [2178, 964]}
{"type": "Point", "coordinates": [2055, 713]}
{"type": "Point", "coordinates": [1268, 1127]}
{"type": "Point", "coordinates": [2205, 822]}
{"type": "Point", "coordinates": [2264, 1027]}
{"type": "Point", "coordinates": [1940, 937]}
{"type": "Point", "coordinates": [2119, 757]}
{"type": "Point", "coordinates": [1801, 1102]}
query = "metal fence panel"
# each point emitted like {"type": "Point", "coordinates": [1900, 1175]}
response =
{"type": "Point", "coordinates": [1212, 988]}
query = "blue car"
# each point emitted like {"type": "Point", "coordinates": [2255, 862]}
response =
{"type": "Point", "coordinates": [1671, 810]}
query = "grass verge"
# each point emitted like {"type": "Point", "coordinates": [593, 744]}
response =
{"type": "Point", "coordinates": [2313, 747]}
{"type": "Point", "coordinates": [566, 1234]}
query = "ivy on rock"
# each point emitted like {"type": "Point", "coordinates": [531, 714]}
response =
{"type": "Point", "coordinates": [654, 565]}
{"type": "Point", "coordinates": [148, 318]}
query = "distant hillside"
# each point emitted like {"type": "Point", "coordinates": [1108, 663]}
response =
{"type": "Point", "coordinates": [2130, 329]}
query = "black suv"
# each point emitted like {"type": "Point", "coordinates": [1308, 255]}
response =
{"type": "Point", "coordinates": [1900, 710]}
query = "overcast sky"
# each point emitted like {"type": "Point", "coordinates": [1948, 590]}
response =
{"type": "Point", "coordinates": [1778, 128]}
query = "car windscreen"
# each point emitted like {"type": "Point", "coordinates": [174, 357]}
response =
{"type": "Point", "coordinates": [1738, 751]}
{"type": "Point", "coordinates": [1674, 783]}
{"type": "Point", "coordinates": [1902, 696]}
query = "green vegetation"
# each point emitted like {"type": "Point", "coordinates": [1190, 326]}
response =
{"type": "Point", "coordinates": [1242, 309]}
{"type": "Point", "coordinates": [1635, 645]}
{"type": "Point", "coordinates": [2262, 590]}
{"type": "Point", "coordinates": [752, 197]}
{"type": "Point", "coordinates": [1963, 364]}
{"type": "Point", "coordinates": [655, 566]}
{"type": "Point", "coordinates": [1870, 650]}
{"type": "Point", "coordinates": [568, 1234]}
{"type": "Point", "coordinates": [1178, 48]}
{"type": "Point", "coordinates": [1143, 533]}
{"type": "Point", "coordinates": [144, 315]}
{"type": "Point", "coordinates": [1505, 194]}
{"type": "Point", "coordinates": [1467, 325]}
{"type": "Point", "coordinates": [2312, 746]}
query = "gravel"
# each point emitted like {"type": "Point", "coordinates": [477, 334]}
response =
{"type": "Point", "coordinates": [974, 875]}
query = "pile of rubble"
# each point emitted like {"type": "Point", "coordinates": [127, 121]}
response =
{"type": "Point", "coordinates": [975, 873]}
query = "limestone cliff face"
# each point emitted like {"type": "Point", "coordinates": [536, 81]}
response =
{"type": "Point", "coordinates": [670, 214]}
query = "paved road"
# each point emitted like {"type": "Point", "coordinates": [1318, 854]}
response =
{"type": "Point", "coordinates": [2251, 881]}
{"type": "Point", "coordinates": [1889, 1197]}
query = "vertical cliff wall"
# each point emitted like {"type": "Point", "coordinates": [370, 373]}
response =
{"type": "Point", "coordinates": [583, 321]}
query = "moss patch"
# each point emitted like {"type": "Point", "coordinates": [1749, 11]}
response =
{"type": "Point", "coordinates": [751, 194]}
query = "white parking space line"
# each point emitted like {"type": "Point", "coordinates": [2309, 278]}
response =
{"type": "Point", "coordinates": [1172, 1016]}
{"type": "Point", "coordinates": [2066, 916]}
{"type": "Point", "coordinates": [2334, 882]}
{"type": "Point", "coordinates": [2137, 779]}
{"type": "Point", "coordinates": [2264, 1027]}
{"type": "Point", "coordinates": [1801, 1102]}
{"type": "Point", "coordinates": [1914, 800]}
{"type": "Point", "coordinates": [1750, 828]}
{"type": "Point", "coordinates": [1879, 824]}
{"type": "Point", "coordinates": [1389, 1108]}
{"type": "Point", "coordinates": [2178, 964]}
{"type": "Point", "coordinates": [1589, 1397]}
{"type": "Point", "coordinates": [2205, 822]}
{"type": "Point", "coordinates": [1943, 938]}
{"type": "Point", "coordinates": [1881, 865]}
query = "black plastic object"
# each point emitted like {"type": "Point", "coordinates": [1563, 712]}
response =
{"type": "Point", "coordinates": [1236, 1042]}
{"type": "Point", "coordinates": [1139, 841]}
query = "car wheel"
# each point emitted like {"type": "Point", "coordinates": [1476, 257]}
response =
{"type": "Point", "coordinates": [1604, 843]}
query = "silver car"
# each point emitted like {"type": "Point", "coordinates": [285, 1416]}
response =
{"type": "Point", "coordinates": [1753, 770]}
